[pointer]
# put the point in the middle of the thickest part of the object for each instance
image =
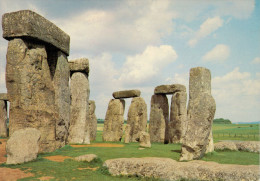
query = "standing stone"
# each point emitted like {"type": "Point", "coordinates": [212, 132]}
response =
{"type": "Point", "coordinates": [114, 120]}
{"type": "Point", "coordinates": [159, 116]}
{"type": "Point", "coordinates": [3, 118]}
{"type": "Point", "coordinates": [210, 146]}
{"type": "Point", "coordinates": [178, 117]}
{"type": "Point", "coordinates": [23, 146]}
{"type": "Point", "coordinates": [79, 88]}
{"type": "Point", "coordinates": [35, 68]}
{"type": "Point", "coordinates": [92, 120]}
{"type": "Point", "coordinates": [145, 140]}
{"type": "Point", "coordinates": [201, 111]}
{"type": "Point", "coordinates": [137, 118]}
{"type": "Point", "coordinates": [127, 133]}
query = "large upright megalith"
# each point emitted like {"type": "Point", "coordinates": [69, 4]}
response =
{"type": "Point", "coordinates": [3, 115]}
{"type": "Point", "coordinates": [114, 120]}
{"type": "Point", "coordinates": [79, 131]}
{"type": "Point", "coordinates": [201, 110]}
{"type": "Point", "coordinates": [37, 77]}
{"type": "Point", "coordinates": [137, 118]}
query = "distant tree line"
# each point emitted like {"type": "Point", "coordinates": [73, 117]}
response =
{"type": "Point", "coordinates": [221, 121]}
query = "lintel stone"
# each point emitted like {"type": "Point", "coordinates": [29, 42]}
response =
{"type": "Point", "coordinates": [3, 96]}
{"type": "Point", "coordinates": [79, 65]}
{"type": "Point", "coordinates": [126, 94]}
{"type": "Point", "coordinates": [28, 24]}
{"type": "Point", "coordinates": [169, 89]}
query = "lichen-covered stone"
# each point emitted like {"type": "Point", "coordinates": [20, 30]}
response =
{"type": "Point", "coordinates": [126, 94]}
{"type": "Point", "coordinates": [79, 65]}
{"type": "Point", "coordinates": [3, 118]}
{"type": "Point", "coordinates": [23, 146]}
{"type": "Point", "coordinates": [225, 146]}
{"type": "Point", "coordinates": [169, 89]}
{"type": "Point", "coordinates": [159, 116]}
{"type": "Point", "coordinates": [145, 140]}
{"type": "Point", "coordinates": [92, 120]}
{"type": "Point", "coordinates": [30, 25]}
{"type": "Point", "coordinates": [201, 111]}
{"type": "Point", "coordinates": [178, 117]}
{"type": "Point", "coordinates": [79, 129]}
{"type": "Point", "coordinates": [114, 120]}
{"type": "Point", "coordinates": [137, 118]}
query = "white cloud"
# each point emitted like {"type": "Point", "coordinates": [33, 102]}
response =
{"type": "Point", "coordinates": [145, 66]}
{"type": "Point", "coordinates": [256, 60]}
{"type": "Point", "coordinates": [206, 28]}
{"type": "Point", "coordinates": [219, 53]}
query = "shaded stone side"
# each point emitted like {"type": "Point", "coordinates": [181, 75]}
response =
{"type": "Point", "coordinates": [92, 120]}
{"type": "Point", "coordinates": [29, 82]}
{"type": "Point", "coordinates": [137, 118]}
{"type": "Point", "coordinates": [114, 120]}
{"type": "Point", "coordinates": [79, 129]}
{"type": "Point", "coordinates": [159, 115]}
{"type": "Point", "coordinates": [178, 117]}
{"type": "Point", "coordinates": [201, 111]}
{"type": "Point", "coordinates": [3, 118]}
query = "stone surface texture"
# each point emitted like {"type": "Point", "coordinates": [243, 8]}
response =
{"type": "Point", "coordinates": [3, 97]}
{"type": "Point", "coordinates": [169, 89]}
{"type": "Point", "coordinates": [210, 146]}
{"type": "Point", "coordinates": [79, 129]}
{"type": "Point", "coordinates": [23, 146]}
{"type": "Point", "coordinates": [114, 120]}
{"type": "Point", "coordinates": [201, 111]}
{"type": "Point", "coordinates": [250, 146]}
{"type": "Point", "coordinates": [79, 65]}
{"type": "Point", "coordinates": [92, 120]}
{"type": "Point", "coordinates": [127, 133]}
{"type": "Point", "coordinates": [137, 118]}
{"type": "Point", "coordinates": [178, 117]}
{"type": "Point", "coordinates": [145, 140]}
{"type": "Point", "coordinates": [3, 118]}
{"type": "Point", "coordinates": [168, 169]}
{"type": "Point", "coordinates": [159, 116]}
{"type": "Point", "coordinates": [30, 25]}
{"type": "Point", "coordinates": [126, 94]}
{"type": "Point", "coordinates": [30, 69]}
{"type": "Point", "coordinates": [225, 146]}
{"type": "Point", "coordinates": [86, 158]}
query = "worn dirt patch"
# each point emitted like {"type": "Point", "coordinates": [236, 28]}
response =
{"type": "Point", "coordinates": [57, 158]}
{"type": "Point", "coordinates": [89, 168]}
{"type": "Point", "coordinates": [13, 174]}
{"type": "Point", "coordinates": [99, 145]}
{"type": "Point", "coordinates": [46, 178]}
{"type": "Point", "coordinates": [2, 150]}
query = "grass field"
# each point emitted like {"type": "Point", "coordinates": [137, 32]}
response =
{"type": "Point", "coordinates": [68, 170]}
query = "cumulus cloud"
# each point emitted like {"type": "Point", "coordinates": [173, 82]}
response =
{"type": "Point", "coordinates": [142, 67]}
{"type": "Point", "coordinates": [256, 60]}
{"type": "Point", "coordinates": [206, 28]}
{"type": "Point", "coordinates": [217, 54]}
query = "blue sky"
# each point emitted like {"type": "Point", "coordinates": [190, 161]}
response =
{"type": "Point", "coordinates": [142, 44]}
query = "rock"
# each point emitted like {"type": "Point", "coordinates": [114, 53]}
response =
{"type": "Point", "coordinates": [225, 146]}
{"type": "Point", "coordinates": [137, 118]}
{"type": "Point", "coordinates": [168, 169]}
{"type": "Point", "coordinates": [114, 120]}
{"type": "Point", "coordinates": [62, 98]}
{"type": "Point", "coordinates": [86, 158]}
{"type": "Point", "coordinates": [23, 146]}
{"type": "Point", "coordinates": [28, 24]}
{"type": "Point", "coordinates": [250, 146]}
{"type": "Point", "coordinates": [145, 140]}
{"type": "Point", "coordinates": [3, 97]}
{"type": "Point", "coordinates": [178, 117]}
{"type": "Point", "coordinates": [127, 133]}
{"type": "Point", "coordinates": [169, 89]}
{"type": "Point", "coordinates": [210, 146]}
{"type": "Point", "coordinates": [92, 120]}
{"type": "Point", "coordinates": [79, 129]}
{"type": "Point", "coordinates": [159, 116]}
{"type": "Point", "coordinates": [79, 65]}
{"type": "Point", "coordinates": [3, 118]}
{"type": "Point", "coordinates": [30, 69]}
{"type": "Point", "coordinates": [126, 94]}
{"type": "Point", "coordinates": [201, 111]}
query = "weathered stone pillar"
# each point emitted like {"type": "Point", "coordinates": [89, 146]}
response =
{"type": "Point", "coordinates": [137, 118]}
{"type": "Point", "coordinates": [37, 77]}
{"type": "Point", "coordinates": [201, 111]}
{"type": "Point", "coordinates": [3, 115]}
{"type": "Point", "coordinates": [79, 131]}
{"type": "Point", "coordinates": [114, 121]}
{"type": "Point", "coordinates": [92, 120]}
{"type": "Point", "coordinates": [159, 115]}
{"type": "Point", "coordinates": [178, 117]}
